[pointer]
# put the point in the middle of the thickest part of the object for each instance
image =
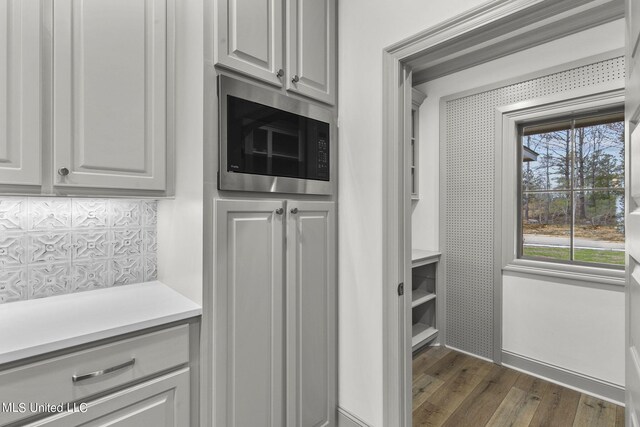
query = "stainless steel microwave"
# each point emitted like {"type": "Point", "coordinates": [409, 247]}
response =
{"type": "Point", "coordinates": [270, 142]}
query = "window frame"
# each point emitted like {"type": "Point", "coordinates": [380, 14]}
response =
{"type": "Point", "coordinates": [572, 189]}
{"type": "Point", "coordinates": [509, 118]}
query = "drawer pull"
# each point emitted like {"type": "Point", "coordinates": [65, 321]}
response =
{"type": "Point", "coordinates": [77, 378]}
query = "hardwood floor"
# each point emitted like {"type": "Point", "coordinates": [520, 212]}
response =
{"type": "Point", "coordinates": [455, 390]}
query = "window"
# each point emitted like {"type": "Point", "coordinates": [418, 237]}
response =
{"type": "Point", "coordinates": [572, 190]}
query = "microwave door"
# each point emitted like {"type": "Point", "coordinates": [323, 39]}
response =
{"type": "Point", "coordinates": [272, 143]}
{"type": "Point", "coordinates": [286, 154]}
{"type": "Point", "coordinates": [256, 148]}
{"type": "Point", "coordinates": [273, 150]}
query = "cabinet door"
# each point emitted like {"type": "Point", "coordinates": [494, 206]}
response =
{"type": "Point", "coordinates": [161, 402]}
{"type": "Point", "coordinates": [110, 93]}
{"type": "Point", "coordinates": [249, 314]}
{"type": "Point", "coordinates": [249, 38]}
{"type": "Point", "coordinates": [20, 145]}
{"type": "Point", "coordinates": [311, 48]}
{"type": "Point", "coordinates": [311, 314]}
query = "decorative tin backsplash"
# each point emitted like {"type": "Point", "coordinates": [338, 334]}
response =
{"type": "Point", "coordinates": [51, 246]}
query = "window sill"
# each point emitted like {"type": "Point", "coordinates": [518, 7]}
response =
{"type": "Point", "coordinates": [580, 273]}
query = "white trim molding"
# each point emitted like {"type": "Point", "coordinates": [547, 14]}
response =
{"type": "Point", "coordinates": [574, 380]}
{"type": "Point", "coordinates": [512, 30]}
{"type": "Point", "coordinates": [580, 273]}
{"type": "Point", "coordinates": [486, 359]}
{"type": "Point", "coordinates": [347, 419]}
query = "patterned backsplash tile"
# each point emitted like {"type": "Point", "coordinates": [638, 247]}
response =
{"type": "Point", "coordinates": [51, 246]}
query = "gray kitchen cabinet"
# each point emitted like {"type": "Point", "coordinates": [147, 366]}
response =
{"type": "Point", "coordinates": [143, 380]}
{"type": "Point", "coordinates": [249, 314]}
{"type": "Point", "coordinates": [311, 314]}
{"type": "Point", "coordinates": [275, 314]}
{"type": "Point", "coordinates": [249, 38]}
{"type": "Point", "coordinates": [110, 94]}
{"type": "Point", "coordinates": [161, 402]}
{"type": "Point", "coordinates": [102, 71]}
{"type": "Point", "coordinates": [20, 97]}
{"type": "Point", "coordinates": [286, 43]}
{"type": "Point", "coordinates": [311, 48]}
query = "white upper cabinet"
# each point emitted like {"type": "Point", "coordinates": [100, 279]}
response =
{"type": "Point", "coordinates": [250, 38]}
{"type": "Point", "coordinates": [110, 93]}
{"type": "Point", "coordinates": [20, 130]}
{"type": "Point", "coordinates": [257, 37]}
{"type": "Point", "coordinates": [311, 49]}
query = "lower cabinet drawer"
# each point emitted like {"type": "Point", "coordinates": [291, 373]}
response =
{"type": "Point", "coordinates": [161, 402]}
{"type": "Point", "coordinates": [81, 374]}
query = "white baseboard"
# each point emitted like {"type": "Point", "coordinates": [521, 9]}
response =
{"type": "Point", "coordinates": [470, 354]}
{"type": "Point", "coordinates": [347, 419]}
{"type": "Point", "coordinates": [574, 380]}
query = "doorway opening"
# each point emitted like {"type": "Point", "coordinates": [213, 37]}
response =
{"type": "Point", "coordinates": [489, 32]}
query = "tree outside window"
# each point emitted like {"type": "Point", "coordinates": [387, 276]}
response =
{"type": "Point", "coordinates": [572, 192]}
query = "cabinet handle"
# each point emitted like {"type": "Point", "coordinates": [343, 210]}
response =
{"type": "Point", "coordinates": [63, 171]}
{"type": "Point", "coordinates": [280, 73]}
{"type": "Point", "coordinates": [279, 211]}
{"type": "Point", "coordinates": [294, 210]}
{"type": "Point", "coordinates": [77, 378]}
{"type": "Point", "coordinates": [295, 79]}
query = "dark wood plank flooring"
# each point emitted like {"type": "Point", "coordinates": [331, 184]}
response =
{"type": "Point", "coordinates": [455, 390]}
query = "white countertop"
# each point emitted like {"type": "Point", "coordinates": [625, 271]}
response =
{"type": "Point", "coordinates": [34, 327]}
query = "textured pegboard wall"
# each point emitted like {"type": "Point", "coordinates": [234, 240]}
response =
{"type": "Point", "coordinates": [469, 210]}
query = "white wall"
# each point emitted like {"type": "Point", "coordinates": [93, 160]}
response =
{"type": "Point", "coordinates": [366, 27]}
{"type": "Point", "coordinates": [180, 221]}
{"type": "Point", "coordinates": [569, 325]}
{"type": "Point", "coordinates": [577, 327]}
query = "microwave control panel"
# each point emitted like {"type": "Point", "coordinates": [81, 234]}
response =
{"type": "Point", "coordinates": [323, 157]}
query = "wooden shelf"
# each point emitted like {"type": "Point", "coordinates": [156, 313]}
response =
{"type": "Point", "coordinates": [422, 333]}
{"type": "Point", "coordinates": [420, 297]}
